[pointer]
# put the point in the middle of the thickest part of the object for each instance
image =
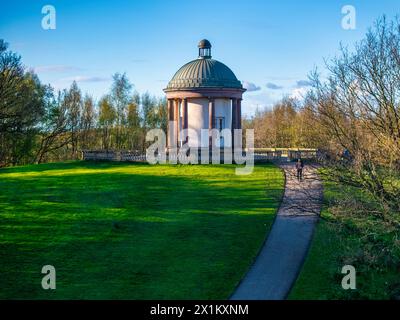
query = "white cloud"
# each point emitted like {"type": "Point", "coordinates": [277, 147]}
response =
{"type": "Point", "coordinates": [55, 68]}
{"type": "Point", "coordinates": [250, 86]}
{"type": "Point", "coordinates": [299, 93]}
{"type": "Point", "coordinates": [303, 83]}
{"type": "Point", "coordinates": [261, 100]}
{"type": "Point", "coordinates": [273, 86]}
{"type": "Point", "coordinates": [86, 79]}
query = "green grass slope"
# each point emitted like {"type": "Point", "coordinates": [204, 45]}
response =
{"type": "Point", "coordinates": [132, 231]}
{"type": "Point", "coordinates": [350, 234]}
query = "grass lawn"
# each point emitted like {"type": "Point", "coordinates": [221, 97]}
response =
{"type": "Point", "coordinates": [349, 234]}
{"type": "Point", "coordinates": [132, 231]}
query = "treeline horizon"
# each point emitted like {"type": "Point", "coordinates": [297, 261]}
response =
{"type": "Point", "coordinates": [39, 124]}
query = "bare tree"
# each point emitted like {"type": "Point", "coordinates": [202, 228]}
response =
{"type": "Point", "coordinates": [54, 132]}
{"type": "Point", "coordinates": [359, 107]}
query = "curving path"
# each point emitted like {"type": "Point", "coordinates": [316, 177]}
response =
{"type": "Point", "coordinates": [280, 260]}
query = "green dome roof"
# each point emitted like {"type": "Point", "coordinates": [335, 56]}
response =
{"type": "Point", "coordinates": [204, 73]}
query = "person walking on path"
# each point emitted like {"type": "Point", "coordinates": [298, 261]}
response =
{"type": "Point", "coordinates": [299, 168]}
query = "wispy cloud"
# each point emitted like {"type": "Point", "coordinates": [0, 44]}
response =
{"type": "Point", "coordinates": [303, 83]}
{"type": "Point", "coordinates": [250, 86]}
{"type": "Point", "coordinates": [273, 86]}
{"type": "Point", "coordinates": [86, 79]}
{"type": "Point", "coordinates": [55, 68]}
{"type": "Point", "coordinates": [276, 78]}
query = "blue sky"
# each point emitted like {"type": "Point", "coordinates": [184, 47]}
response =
{"type": "Point", "coordinates": [271, 45]}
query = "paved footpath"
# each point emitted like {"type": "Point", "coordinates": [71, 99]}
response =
{"type": "Point", "coordinates": [280, 260]}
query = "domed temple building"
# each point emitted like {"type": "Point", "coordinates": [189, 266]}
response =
{"type": "Point", "coordinates": [203, 94]}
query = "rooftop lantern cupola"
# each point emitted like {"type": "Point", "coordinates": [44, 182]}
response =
{"type": "Point", "coordinates": [204, 49]}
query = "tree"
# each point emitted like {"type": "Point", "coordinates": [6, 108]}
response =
{"type": "Point", "coordinates": [162, 114]}
{"type": "Point", "coordinates": [88, 119]}
{"type": "Point", "coordinates": [21, 108]}
{"type": "Point", "coordinates": [133, 122]}
{"type": "Point", "coordinates": [276, 127]}
{"type": "Point", "coordinates": [154, 113]}
{"type": "Point", "coordinates": [54, 129]}
{"type": "Point", "coordinates": [359, 109]}
{"type": "Point", "coordinates": [73, 105]}
{"type": "Point", "coordinates": [120, 97]}
{"type": "Point", "coordinates": [107, 117]}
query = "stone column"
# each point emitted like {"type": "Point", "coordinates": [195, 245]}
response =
{"type": "Point", "coordinates": [234, 119]}
{"type": "Point", "coordinates": [185, 115]}
{"type": "Point", "coordinates": [239, 114]}
{"type": "Point", "coordinates": [211, 118]}
{"type": "Point", "coordinates": [176, 121]}
{"type": "Point", "coordinates": [170, 117]}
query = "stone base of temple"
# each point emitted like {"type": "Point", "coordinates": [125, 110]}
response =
{"type": "Point", "coordinates": [205, 155]}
